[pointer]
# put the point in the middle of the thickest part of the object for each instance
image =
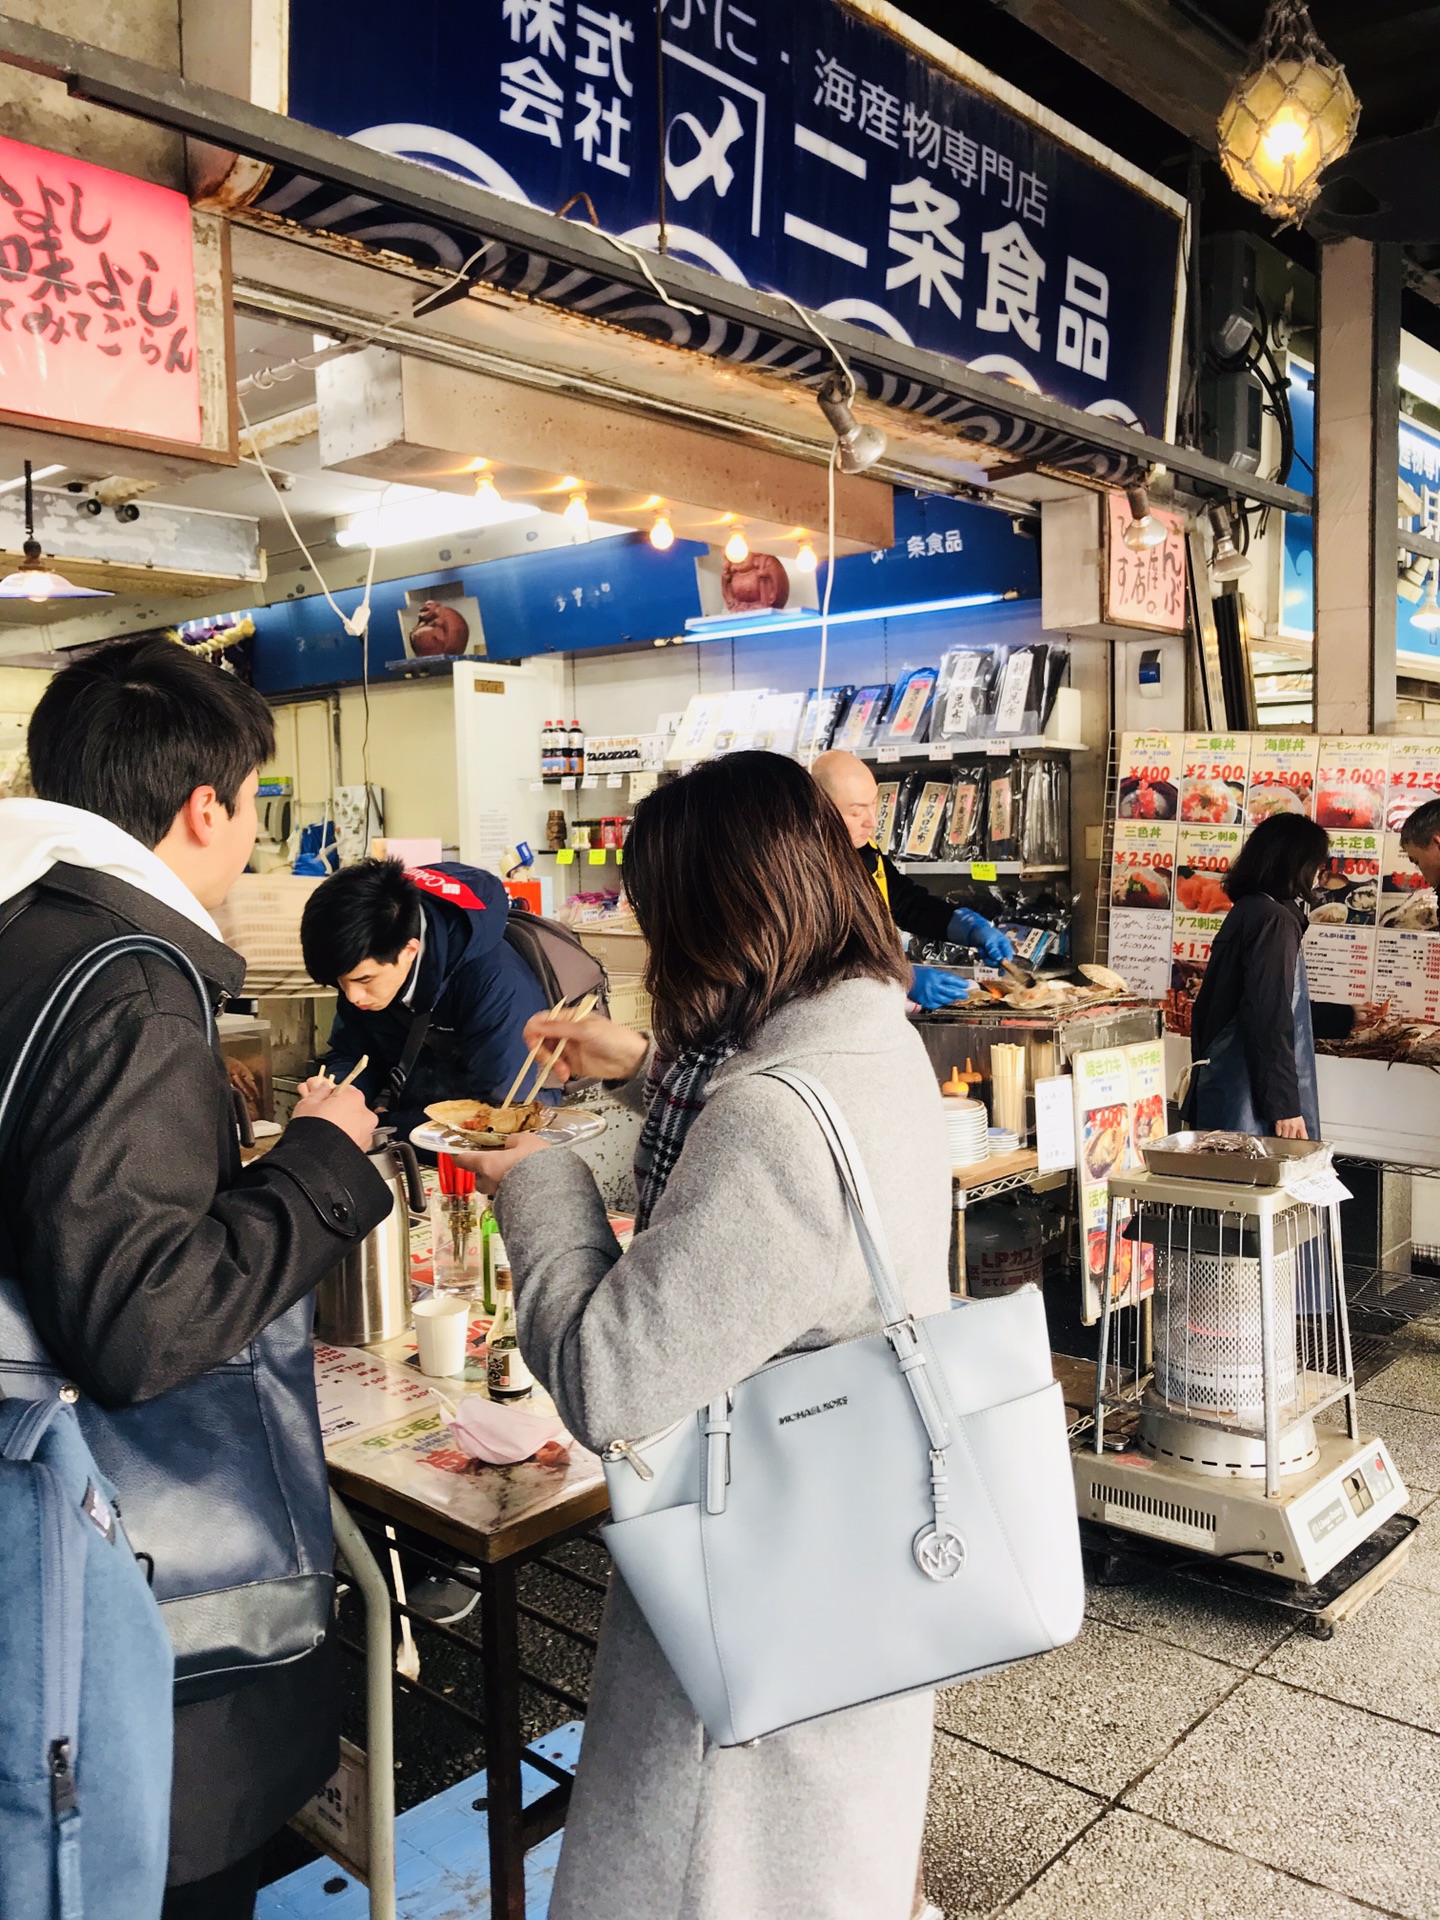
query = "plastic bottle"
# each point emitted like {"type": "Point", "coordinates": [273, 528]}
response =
{"type": "Point", "coordinates": [506, 1375]}
{"type": "Point", "coordinates": [551, 757]}
{"type": "Point", "coordinates": [575, 749]}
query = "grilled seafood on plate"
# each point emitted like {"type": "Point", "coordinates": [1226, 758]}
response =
{"type": "Point", "coordinates": [487, 1126]}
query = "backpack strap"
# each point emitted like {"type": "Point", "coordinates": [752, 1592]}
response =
{"type": "Point", "coordinates": [409, 1054]}
{"type": "Point", "coordinates": [24, 1424]}
{"type": "Point", "coordinates": [48, 1028]}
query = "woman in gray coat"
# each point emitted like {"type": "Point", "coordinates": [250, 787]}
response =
{"type": "Point", "coordinates": [768, 944]}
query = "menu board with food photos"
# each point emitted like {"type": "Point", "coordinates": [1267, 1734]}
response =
{"type": "Point", "coordinates": [1119, 1107]}
{"type": "Point", "coordinates": [1373, 934]}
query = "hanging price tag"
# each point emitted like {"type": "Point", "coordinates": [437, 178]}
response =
{"type": "Point", "coordinates": [887, 756]}
{"type": "Point", "coordinates": [537, 786]}
{"type": "Point", "coordinates": [565, 856]}
{"type": "Point", "coordinates": [568, 783]}
{"type": "Point", "coordinates": [614, 779]}
{"type": "Point", "coordinates": [983, 870]}
{"type": "Point", "coordinates": [619, 856]}
{"type": "Point", "coordinates": [597, 856]}
{"type": "Point", "coordinates": [588, 781]}
{"type": "Point", "coordinates": [941, 752]}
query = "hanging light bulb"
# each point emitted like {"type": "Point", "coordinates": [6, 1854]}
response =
{"type": "Point", "coordinates": [1144, 530]}
{"type": "Point", "coordinates": [577, 513]}
{"type": "Point", "coordinates": [487, 491]}
{"type": "Point", "coordinates": [662, 534]}
{"type": "Point", "coordinates": [32, 581]}
{"type": "Point", "coordinates": [805, 558]}
{"type": "Point", "coordinates": [737, 548]}
{"type": "Point", "coordinates": [1226, 560]}
{"type": "Point", "coordinates": [860, 447]}
{"type": "Point", "coordinates": [1288, 118]}
{"type": "Point", "coordinates": [1427, 615]}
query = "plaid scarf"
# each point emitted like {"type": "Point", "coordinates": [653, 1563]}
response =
{"type": "Point", "coordinates": [677, 1094]}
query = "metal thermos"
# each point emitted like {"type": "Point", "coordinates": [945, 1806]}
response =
{"type": "Point", "coordinates": [367, 1297]}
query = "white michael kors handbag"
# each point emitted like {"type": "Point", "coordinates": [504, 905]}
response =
{"type": "Point", "coordinates": [863, 1521]}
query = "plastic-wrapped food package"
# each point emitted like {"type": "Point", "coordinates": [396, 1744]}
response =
{"type": "Point", "coordinates": [906, 801]}
{"type": "Point", "coordinates": [908, 715]}
{"type": "Point", "coordinates": [924, 834]}
{"type": "Point", "coordinates": [1042, 821]}
{"type": "Point", "coordinates": [886, 795]}
{"type": "Point", "coordinates": [965, 830]}
{"type": "Point", "coordinates": [817, 728]}
{"type": "Point", "coordinates": [963, 694]}
{"type": "Point", "coordinates": [1039, 925]}
{"type": "Point", "coordinates": [1003, 811]}
{"type": "Point", "coordinates": [862, 718]}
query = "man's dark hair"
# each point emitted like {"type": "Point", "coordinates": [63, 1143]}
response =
{"type": "Point", "coordinates": [749, 893]}
{"type": "Point", "coordinates": [1282, 858]}
{"type": "Point", "coordinates": [132, 731]}
{"type": "Point", "coordinates": [1422, 826]}
{"type": "Point", "coordinates": [365, 912]}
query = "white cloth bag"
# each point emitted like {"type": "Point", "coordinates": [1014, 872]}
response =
{"type": "Point", "coordinates": [862, 1521]}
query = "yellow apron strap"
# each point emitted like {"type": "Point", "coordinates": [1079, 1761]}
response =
{"type": "Point", "coordinates": [880, 880]}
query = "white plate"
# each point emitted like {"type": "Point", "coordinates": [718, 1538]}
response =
{"type": "Point", "coordinates": [566, 1128]}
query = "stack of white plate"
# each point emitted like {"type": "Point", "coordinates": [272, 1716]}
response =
{"type": "Point", "coordinates": [967, 1121]}
{"type": "Point", "coordinates": [1002, 1140]}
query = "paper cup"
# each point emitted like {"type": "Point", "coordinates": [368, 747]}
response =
{"type": "Point", "coordinates": [442, 1325]}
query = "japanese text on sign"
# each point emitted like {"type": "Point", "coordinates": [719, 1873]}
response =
{"type": "Point", "coordinates": [97, 298]}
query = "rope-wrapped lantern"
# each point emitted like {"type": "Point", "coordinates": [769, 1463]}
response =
{"type": "Point", "coordinates": [1288, 118]}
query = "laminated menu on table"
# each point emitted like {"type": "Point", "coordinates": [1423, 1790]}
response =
{"type": "Point", "coordinates": [1282, 775]}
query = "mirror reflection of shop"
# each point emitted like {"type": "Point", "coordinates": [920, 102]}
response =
{"type": "Point", "coordinates": [440, 621]}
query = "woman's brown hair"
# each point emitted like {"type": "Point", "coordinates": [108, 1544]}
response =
{"type": "Point", "coordinates": [749, 893]}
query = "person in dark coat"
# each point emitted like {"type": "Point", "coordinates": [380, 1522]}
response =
{"type": "Point", "coordinates": [853, 788]}
{"type": "Point", "coordinates": [1251, 1034]}
{"type": "Point", "coordinates": [421, 951]}
{"type": "Point", "coordinates": [148, 1255]}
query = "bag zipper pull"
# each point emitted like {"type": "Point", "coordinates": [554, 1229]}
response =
{"type": "Point", "coordinates": [62, 1780]}
{"type": "Point", "coordinates": [622, 1450]}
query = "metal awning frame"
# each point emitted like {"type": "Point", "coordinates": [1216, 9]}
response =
{"type": "Point", "coordinates": [524, 250]}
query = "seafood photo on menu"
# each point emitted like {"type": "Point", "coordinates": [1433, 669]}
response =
{"type": "Point", "coordinates": [1142, 799]}
{"type": "Point", "coordinates": [1140, 887]}
{"type": "Point", "coordinates": [1213, 803]}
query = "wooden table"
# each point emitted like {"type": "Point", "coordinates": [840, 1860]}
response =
{"type": "Point", "coordinates": [405, 1471]}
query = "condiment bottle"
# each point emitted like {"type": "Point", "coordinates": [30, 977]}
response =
{"type": "Point", "coordinates": [506, 1374]}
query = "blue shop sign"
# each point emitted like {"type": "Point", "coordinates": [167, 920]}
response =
{"type": "Point", "coordinates": [803, 149]}
{"type": "Point", "coordinates": [1419, 466]}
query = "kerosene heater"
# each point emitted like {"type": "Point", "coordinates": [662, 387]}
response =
{"type": "Point", "coordinates": [1224, 1324]}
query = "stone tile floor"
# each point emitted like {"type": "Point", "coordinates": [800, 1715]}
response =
{"type": "Point", "coordinates": [1193, 1756]}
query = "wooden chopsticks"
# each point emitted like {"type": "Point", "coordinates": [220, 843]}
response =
{"type": "Point", "coordinates": [586, 1006]}
{"type": "Point", "coordinates": [558, 1008]}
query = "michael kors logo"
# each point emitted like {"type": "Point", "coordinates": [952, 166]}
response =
{"type": "Point", "coordinates": [805, 1413]}
{"type": "Point", "coordinates": [939, 1552]}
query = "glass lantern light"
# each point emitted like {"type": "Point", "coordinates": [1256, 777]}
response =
{"type": "Point", "coordinates": [1288, 118]}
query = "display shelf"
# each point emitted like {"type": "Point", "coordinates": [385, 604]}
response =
{"type": "Point", "coordinates": [968, 749]}
{"type": "Point", "coordinates": [1013, 869]}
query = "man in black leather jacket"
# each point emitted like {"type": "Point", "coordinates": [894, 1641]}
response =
{"type": "Point", "coordinates": [147, 1254]}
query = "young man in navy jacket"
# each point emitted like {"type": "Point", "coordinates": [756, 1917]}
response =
{"type": "Point", "coordinates": [427, 983]}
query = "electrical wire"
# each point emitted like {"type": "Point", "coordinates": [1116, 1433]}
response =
{"type": "Point", "coordinates": [825, 602]}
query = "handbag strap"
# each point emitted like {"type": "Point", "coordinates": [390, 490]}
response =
{"type": "Point", "coordinates": [900, 1328]}
{"type": "Point", "coordinates": [48, 1028]}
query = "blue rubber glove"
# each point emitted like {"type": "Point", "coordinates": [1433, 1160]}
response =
{"type": "Point", "coordinates": [969, 929]}
{"type": "Point", "coordinates": [932, 987]}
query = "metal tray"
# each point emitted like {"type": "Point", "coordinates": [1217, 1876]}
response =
{"type": "Point", "coordinates": [1174, 1157]}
